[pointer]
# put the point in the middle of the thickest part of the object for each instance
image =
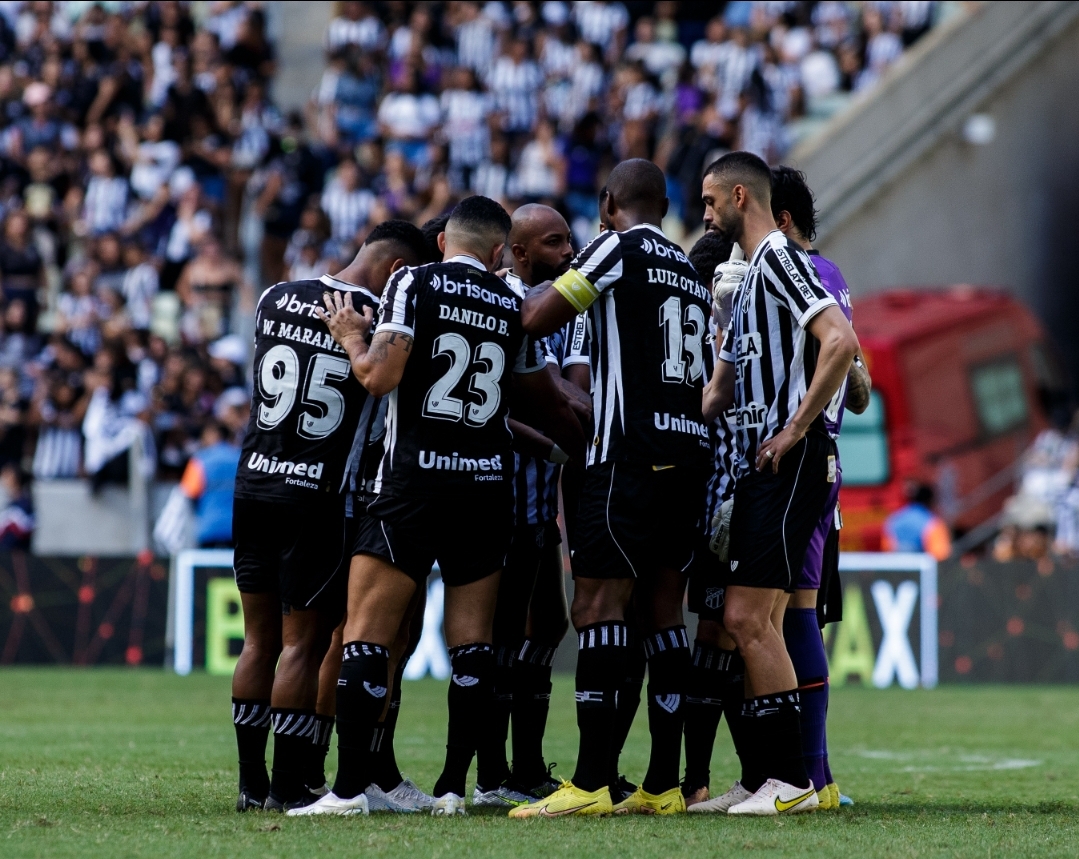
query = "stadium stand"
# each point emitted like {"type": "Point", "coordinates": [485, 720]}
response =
{"type": "Point", "coordinates": [139, 144]}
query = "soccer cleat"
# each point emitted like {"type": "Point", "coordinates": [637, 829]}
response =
{"type": "Point", "coordinates": [721, 804]}
{"type": "Point", "coordinates": [641, 802]}
{"type": "Point", "coordinates": [330, 803]}
{"type": "Point", "coordinates": [824, 798]}
{"type": "Point", "coordinates": [536, 788]}
{"type": "Point", "coordinates": [778, 797]}
{"type": "Point", "coordinates": [566, 801]}
{"type": "Point", "coordinates": [448, 805]}
{"type": "Point", "coordinates": [623, 789]}
{"type": "Point", "coordinates": [502, 796]}
{"type": "Point", "coordinates": [379, 800]}
{"type": "Point", "coordinates": [694, 796]}
{"type": "Point", "coordinates": [281, 806]}
{"type": "Point", "coordinates": [843, 800]}
{"type": "Point", "coordinates": [410, 797]}
{"type": "Point", "coordinates": [246, 802]}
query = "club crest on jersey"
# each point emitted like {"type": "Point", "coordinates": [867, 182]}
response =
{"type": "Point", "coordinates": [663, 251]}
{"type": "Point", "coordinates": [713, 597]}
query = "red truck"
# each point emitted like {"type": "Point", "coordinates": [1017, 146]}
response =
{"type": "Point", "coordinates": [960, 379]}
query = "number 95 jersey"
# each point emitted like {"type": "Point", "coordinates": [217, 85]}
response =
{"type": "Point", "coordinates": [306, 403]}
{"type": "Point", "coordinates": [446, 430]}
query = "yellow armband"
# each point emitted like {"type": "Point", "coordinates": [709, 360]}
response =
{"type": "Point", "coordinates": [577, 290]}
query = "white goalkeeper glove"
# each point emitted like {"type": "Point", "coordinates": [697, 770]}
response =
{"type": "Point", "coordinates": [725, 282]}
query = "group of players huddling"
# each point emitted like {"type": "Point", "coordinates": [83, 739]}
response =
{"type": "Point", "coordinates": [425, 404]}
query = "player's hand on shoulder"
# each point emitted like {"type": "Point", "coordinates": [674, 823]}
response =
{"type": "Point", "coordinates": [343, 320]}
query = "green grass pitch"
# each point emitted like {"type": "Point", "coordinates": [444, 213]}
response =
{"type": "Point", "coordinates": [115, 763]}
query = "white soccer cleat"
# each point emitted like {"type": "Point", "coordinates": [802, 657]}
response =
{"type": "Point", "coordinates": [500, 797]}
{"type": "Point", "coordinates": [379, 800]}
{"type": "Point", "coordinates": [721, 804]}
{"type": "Point", "coordinates": [330, 803]}
{"type": "Point", "coordinates": [778, 797]}
{"type": "Point", "coordinates": [448, 806]}
{"type": "Point", "coordinates": [410, 797]}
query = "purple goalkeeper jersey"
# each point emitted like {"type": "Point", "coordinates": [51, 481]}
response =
{"type": "Point", "coordinates": [832, 280]}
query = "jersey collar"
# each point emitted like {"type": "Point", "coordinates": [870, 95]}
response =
{"type": "Point", "coordinates": [334, 283]}
{"type": "Point", "coordinates": [651, 227]}
{"type": "Point", "coordinates": [467, 259]}
{"type": "Point", "coordinates": [765, 243]}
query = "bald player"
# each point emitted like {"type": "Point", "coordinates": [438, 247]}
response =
{"type": "Point", "coordinates": [643, 483]}
{"type": "Point", "coordinates": [531, 616]}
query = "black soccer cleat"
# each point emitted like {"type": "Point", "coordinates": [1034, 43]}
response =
{"type": "Point", "coordinates": [248, 802]}
{"type": "Point", "coordinates": [279, 806]}
{"type": "Point", "coordinates": [622, 789]}
{"type": "Point", "coordinates": [542, 785]}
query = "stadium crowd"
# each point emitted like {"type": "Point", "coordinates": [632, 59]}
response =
{"type": "Point", "coordinates": [138, 139]}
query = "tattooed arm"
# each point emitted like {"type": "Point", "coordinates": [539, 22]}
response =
{"type": "Point", "coordinates": [859, 386]}
{"type": "Point", "coordinates": [379, 365]}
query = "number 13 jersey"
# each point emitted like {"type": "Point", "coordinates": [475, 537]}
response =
{"type": "Point", "coordinates": [446, 429]}
{"type": "Point", "coordinates": [648, 315]}
{"type": "Point", "coordinates": [306, 405]}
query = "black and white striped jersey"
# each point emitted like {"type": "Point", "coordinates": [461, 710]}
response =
{"type": "Point", "coordinates": [446, 424]}
{"type": "Point", "coordinates": [724, 452]}
{"type": "Point", "coordinates": [535, 480]}
{"type": "Point", "coordinates": [347, 210]}
{"type": "Point", "coordinates": [773, 354]}
{"type": "Point", "coordinates": [306, 404]}
{"type": "Point", "coordinates": [647, 317]}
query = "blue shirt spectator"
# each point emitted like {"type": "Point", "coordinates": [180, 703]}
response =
{"type": "Point", "coordinates": [209, 480]}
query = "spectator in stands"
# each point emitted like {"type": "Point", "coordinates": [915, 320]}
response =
{"type": "Point", "coordinates": [208, 481]}
{"type": "Point", "coordinates": [22, 273]}
{"type": "Point", "coordinates": [210, 286]}
{"type": "Point", "coordinates": [17, 515]}
{"type": "Point", "coordinates": [916, 528]}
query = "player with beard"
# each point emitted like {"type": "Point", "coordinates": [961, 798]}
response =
{"type": "Point", "coordinates": [288, 517]}
{"type": "Point", "coordinates": [795, 215]}
{"type": "Point", "coordinates": [443, 492]}
{"type": "Point", "coordinates": [786, 353]}
{"type": "Point", "coordinates": [531, 616]}
{"type": "Point", "coordinates": [640, 503]}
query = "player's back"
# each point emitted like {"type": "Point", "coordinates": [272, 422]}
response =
{"type": "Point", "coordinates": [647, 349]}
{"type": "Point", "coordinates": [835, 285]}
{"type": "Point", "coordinates": [305, 403]}
{"type": "Point", "coordinates": [446, 430]}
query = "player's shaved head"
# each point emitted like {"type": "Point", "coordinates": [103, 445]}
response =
{"type": "Point", "coordinates": [533, 219]}
{"type": "Point", "coordinates": [638, 186]}
{"type": "Point", "coordinates": [540, 242]}
{"type": "Point", "coordinates": [478, 226]}
{"type": "Point", "coordinates": [401, 238]}
{"type": "Point", "coordinates": [743, 168]}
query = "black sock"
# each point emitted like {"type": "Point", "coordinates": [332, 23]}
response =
{"type": "Point", "coordinates": [251, 718]}
{"type": "Point", "coordinates": [293, 749]}
{"type": "Point", "coordinates": [361, 697]}
{"type": "Point", "coordinates": [780, 736]}
{"type": "Point", "coordinates": [316, 777]}
{"type": "Point", "coordinates": [531, 704]}
{"type": "Point", "coordinates": [492, 768]}
{"type": "Point", "coordinates": [601, 665]}
{"type": "Point", "coordinates": [387, 775]}
{"type": "Point", "coordinates": [705, 682]}
{"type": "Point", "coordinates": [628, 698]}
{"type": "Point", "coordinates": [741, 722]}
{"type": "Point", "coordinates": [668, 659]}
{"type": "Point", "coordinates": [469, 701]}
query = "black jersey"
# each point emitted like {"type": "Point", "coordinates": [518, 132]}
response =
{"type": "Point", "coordinates": [647, 320]}
{"type": "Point", "coordinates": [306, 404]}
{"type": "Point", "coordinates": [446, 427]}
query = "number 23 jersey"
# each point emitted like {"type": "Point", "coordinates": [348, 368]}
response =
{"type": "Point", "coordinates": [446, 430]}
{"type": "Point", "coordinates": [306, 403]}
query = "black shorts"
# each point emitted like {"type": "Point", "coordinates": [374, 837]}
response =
{"type": "Point", "coordinates": [295, 550]}
{"type": "Point", "coordinates": [634, 521]}
{"type": "Point", "coordinates": [775, 515]}
{"type": "Point", "coordinates": [706, 584]}
{"type": "Point", "coordinates": [830, 594]}
{"type": "Point", "coordinates": [532, 549]}
{"type": "Point", "coordinates": [468, 537]}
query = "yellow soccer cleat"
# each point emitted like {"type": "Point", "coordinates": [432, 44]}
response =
{"type": "Point", "coordinates": [827, 799]}
{"type": "Point", "coordinates": [567, 801]}
{"type": "Point", "coordinates": [639, 802]}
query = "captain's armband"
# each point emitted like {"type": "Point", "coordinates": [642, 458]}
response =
{"type": "Point", "coordinates": [576, 289]}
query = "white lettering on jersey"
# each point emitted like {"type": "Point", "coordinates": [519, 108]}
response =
{"type": "Point", "coordinates": [454, 462]}
{"type": "Point", "coordinates": [292, 304]}
{"type": "Point", "coordinates": [473, 318]}
{"type": "Point", "coordinates": [472, 290]}
{"type": "Point", "coordinates": [681, 423]}
{"type": "Point", "coordinates": [258, 462]}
